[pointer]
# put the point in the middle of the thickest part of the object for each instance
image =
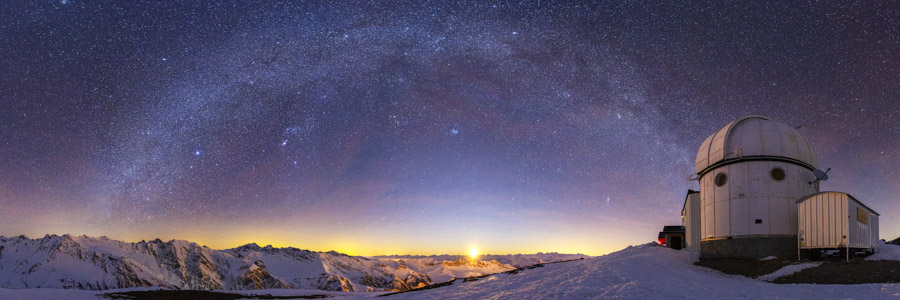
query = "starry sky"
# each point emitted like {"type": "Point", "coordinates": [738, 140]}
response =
{"type": "Point", "coordinates": [422, 127]}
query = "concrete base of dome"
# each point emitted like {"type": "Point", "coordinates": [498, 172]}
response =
{"type": "Point", "coordinates": [749, 247]}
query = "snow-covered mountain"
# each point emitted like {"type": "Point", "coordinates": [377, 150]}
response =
{"type": "Point", "coordinates": [83, 262]}
{"type": "Point", "coordinates": [641, 272]}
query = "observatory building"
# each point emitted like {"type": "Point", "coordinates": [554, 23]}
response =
{"type": "Point", "coordinates": [752, 173]}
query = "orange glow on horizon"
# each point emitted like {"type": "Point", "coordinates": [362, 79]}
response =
{"type": "Point", "coordinates": [361, 241]}
{"type": "Point", "coordinates": [355, 246]}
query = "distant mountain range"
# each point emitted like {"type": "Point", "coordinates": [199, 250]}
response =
{"type": "Point", "coordinates": [83, 262]}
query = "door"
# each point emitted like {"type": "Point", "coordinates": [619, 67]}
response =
{"type": "Point", "coordinates": [676, 242]}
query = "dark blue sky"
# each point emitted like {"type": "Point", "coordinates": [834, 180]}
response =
{"type": "Point", "coordinates": [421, 127]}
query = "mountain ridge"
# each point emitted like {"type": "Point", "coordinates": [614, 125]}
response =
{"type": "Point", "coordinates": [100, 263]}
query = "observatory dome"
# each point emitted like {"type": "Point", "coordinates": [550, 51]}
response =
{"type": "Point", "coordinates": [754, 137]}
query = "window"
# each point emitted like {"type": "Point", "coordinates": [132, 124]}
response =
{"type": "Point", "coordinates": [862, 216]}
{"type": "Point", "coordinates": [721, 179]}
{"type": "Point", "coordinates": [777, 174]}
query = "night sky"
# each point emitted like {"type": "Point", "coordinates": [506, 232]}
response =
{"type": "Point", "coordinates": [422, 127]}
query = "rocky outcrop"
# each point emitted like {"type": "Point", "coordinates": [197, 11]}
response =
{"type": "Point", "coordinates": [258, 278]}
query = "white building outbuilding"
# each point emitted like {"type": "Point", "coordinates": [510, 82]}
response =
{"type": "Point", "coordinates": [835, 220]}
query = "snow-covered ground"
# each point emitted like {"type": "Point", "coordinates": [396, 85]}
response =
{"type": "Point", "coordinates": [788, 270]}
{"type": "Point", "coordinates": [53, 294]}
{"type": "Point", "coordinates": [41, 294]}
{"type": "Point", "coordinates": [644, 272]}
{"type": "Point", "coordinates": [641, 272]}
{"type": "Point", "coordinates": [886, 252]}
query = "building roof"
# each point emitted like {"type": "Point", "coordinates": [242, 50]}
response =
{"type": "Point", "coordinates": [848, 196]}
{"type": "Point", "coordinates": [754, 137]}
{"type": "Point", "coordinates": [686, 197]}
{"type": "Point", "coordinates": [673, 229]}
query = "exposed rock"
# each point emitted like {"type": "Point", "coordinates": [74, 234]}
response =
{"type": "Point", "coordinates": [258, 278]}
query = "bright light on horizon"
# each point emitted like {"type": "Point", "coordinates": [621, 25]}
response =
{"type": "Point", "coordinates": [473, 253]}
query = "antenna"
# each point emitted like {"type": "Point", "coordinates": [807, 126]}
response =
{"type": "Point", "coordinates": [820, 176]}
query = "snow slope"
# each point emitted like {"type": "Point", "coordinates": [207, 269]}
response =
{"type": "Point", "coordinates": [42, 294]}
{"type": "Point", "coordinates": [56, 294]}
{"type": "Point", "coordinates": [886, 252]}
{"type": "Point", "coordinates": [642, 272]}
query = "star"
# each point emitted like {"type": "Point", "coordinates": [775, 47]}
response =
{"type": "Point", "coordinates": [560, 105]}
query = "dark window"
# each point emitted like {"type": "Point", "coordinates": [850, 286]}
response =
{"type": "Point", "coordinates": [758, 221]}
{"type": "Point", "coordinates": [721, 179]}
{"type": "Point", "coordinates": [777, 174]}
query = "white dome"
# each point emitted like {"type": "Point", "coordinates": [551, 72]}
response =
{"type": "Point", "coordinates": [755, 137]}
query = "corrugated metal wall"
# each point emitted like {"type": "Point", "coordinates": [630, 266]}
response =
{"type": "Point", "coordinates": [692, 222]}
{"type": "Point", "coordinates": [875, 234]}
{"type": "Point", "coordinates": [831, 220]}
{"type": "Point", "coordinates": [863, 226]}
{"type": "Point", "coordinates": [822, 220]}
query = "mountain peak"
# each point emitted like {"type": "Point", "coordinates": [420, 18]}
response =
{"type": "Point", "coordinates": [248, 246]}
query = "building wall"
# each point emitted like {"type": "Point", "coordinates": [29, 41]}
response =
{"type": "Point", "coordinates": [834, 219]}
{"type": "Point", "coordinates": [749, 194]}
{"type": "Point", "coordinates": [749, 247]}
{"type": "Point", "coordinates": [692, 222]}
{"type": "Point", "coordinates": [863, 233]}
{"type": "Point", "coordinates": [823, 221]}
